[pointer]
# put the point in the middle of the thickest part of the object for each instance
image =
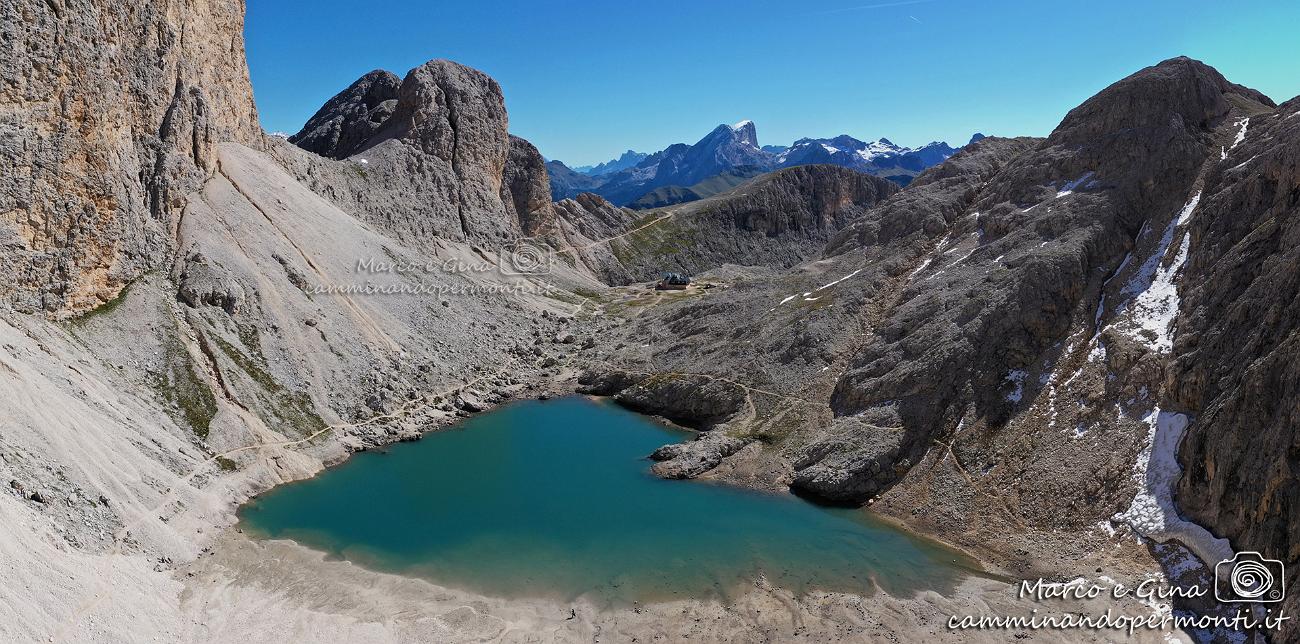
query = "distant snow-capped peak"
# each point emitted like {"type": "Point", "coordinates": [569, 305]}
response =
{"type": "Point", "coordinates": [880, 147]}
{"type": "Point", "coordinates": [746, 133]}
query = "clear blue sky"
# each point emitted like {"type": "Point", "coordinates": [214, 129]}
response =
{"type": "Point", "coordinates": [586, 80]}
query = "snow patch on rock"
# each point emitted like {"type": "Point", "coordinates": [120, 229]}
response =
{"type": "Point", "coordinates": [1070, 186]}
{"type": "Point", "coordinates": [1241, 134]}
{"type": "Point", "coordinates": [1152, 293]}
{"type": "Point", "coordinates": [1017, 380]}
{"type": "Point", "coordinates": [1152, 512]}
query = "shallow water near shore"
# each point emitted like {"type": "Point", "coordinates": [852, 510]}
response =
{"type": "Point", "coordinates": [555, 499]}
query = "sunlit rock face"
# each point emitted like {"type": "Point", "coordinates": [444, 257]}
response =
{"type": "Point", "coordinates": [111, 114]}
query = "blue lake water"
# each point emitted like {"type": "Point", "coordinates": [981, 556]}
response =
{"type": "Point", "coordinates": [556, 499]}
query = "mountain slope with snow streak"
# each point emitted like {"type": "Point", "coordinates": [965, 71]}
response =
{"type": "Point", "coordinates": [996, 369]}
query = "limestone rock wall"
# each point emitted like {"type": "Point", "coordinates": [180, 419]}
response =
{"type": "Point", "coordinates": [109, 113]}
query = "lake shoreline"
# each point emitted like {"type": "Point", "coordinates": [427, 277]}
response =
{"type": "Point", "coordinates": [241, 574]}
{"type": "Point", "coordinates": [246, 587]}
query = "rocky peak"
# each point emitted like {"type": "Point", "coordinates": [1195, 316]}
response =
{"type": "Point", "coordinates": [932, 153]}
{"type": "Point", "coordinates": [441, 136]}
{"type": "Point", "coordinates": [567, 182]}
{"type": "Point", "coordinates": [726, 147]}
{"type": "Point", "coordinates": [1164, 115]}
{"type": "Point", "coordinates": [846, 141]}
{"type": "Point", "coordinates": [722, 136]}
{"type": "Point", "coordinates": [746, 133]}
{"type": "Point", "coordinates": [452, 111]}
{"type": "Point", "coordinates": [624, 161]}
{"type": "Point", "coordinates": [349, 119]}
{"type": "Point", "coordinates": [1177, 93]}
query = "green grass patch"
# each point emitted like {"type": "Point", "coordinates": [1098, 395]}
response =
{"type": "Point", "coordinates": [590, 294]}
{"type": "Point", "coordinates": [104, 309]}
{"type": "Point", "coordinates": [190, 399]}
{"type": "Point", "coordinates": [668, 237]}
{"type": "Point", "coordinates": [563, 296]}
{"type": "Point", "coordinates": [292, 408]}
{"type": "Point", "coordinates": [249, 367]}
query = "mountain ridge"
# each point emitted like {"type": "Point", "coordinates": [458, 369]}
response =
{"type": "Point", "coordinates": [623, 161]}
{"type": "Point", "coordinates": [727, 147]}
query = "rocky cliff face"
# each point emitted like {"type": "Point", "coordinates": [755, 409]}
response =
{"type": "Point", "coordinates": [1165, 116]}
{"type": "Point", "coordinates": [110, 114]}
{"type": "Point", "coordinates": [778, 220]}
{"type": "Point", "coordinates": [583, 226]}
{"type": "Point", "coordinates": [1238, 337]}
{"type": "Point", "coordinates": [567, 183]}
{"type": "Point", "coordinates": [525, 188]}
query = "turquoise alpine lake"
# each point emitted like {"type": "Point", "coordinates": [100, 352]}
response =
{"type": "Point", "coordinates": [555, 499]}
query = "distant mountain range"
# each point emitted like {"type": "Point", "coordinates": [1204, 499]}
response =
{"type": "Point", "coordinates": [683, 172]}
{"type": "Point", "coordinates": [881, 157]}
{"type": "Point", "coordinates": [627, 160]}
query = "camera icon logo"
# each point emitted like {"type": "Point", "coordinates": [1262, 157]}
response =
{"type": "Point", "coordinates": [1249, 577]}
{"type": "Point", "coordinates": [525, 258]}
